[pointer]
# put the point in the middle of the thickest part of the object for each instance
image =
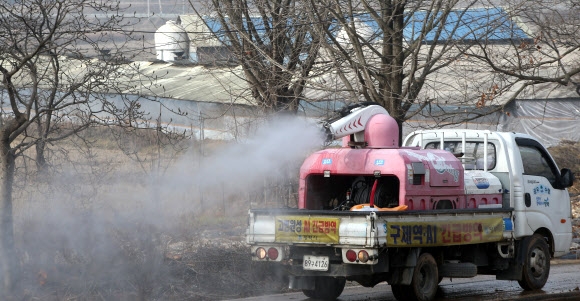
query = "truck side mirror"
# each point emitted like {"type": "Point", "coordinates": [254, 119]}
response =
{"type": "Point", "coordinates": [566, 178]}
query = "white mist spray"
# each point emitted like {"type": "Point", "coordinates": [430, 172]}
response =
{"type": "Point", "coordinates": [240, 168]}
{"type": "Point", "coordinates": [124, 235]}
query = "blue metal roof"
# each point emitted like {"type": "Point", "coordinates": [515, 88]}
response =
{"type": "Point", "coordinates": [477, 24]}
{"type": "Point", "coordinates": [216, 27]}
{"type": "Point", "coordinates": [480, 24]}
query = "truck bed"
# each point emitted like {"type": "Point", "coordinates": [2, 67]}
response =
{"type": "Point", "coordinates": [374, 229]}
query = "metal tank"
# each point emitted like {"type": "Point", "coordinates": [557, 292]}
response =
{"type": "Point", "coordinates": [171, 42]}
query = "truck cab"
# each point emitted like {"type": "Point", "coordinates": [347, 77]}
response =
{"type": "Point", "coordinates": [531, 182]}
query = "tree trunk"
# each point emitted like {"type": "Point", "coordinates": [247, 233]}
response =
{"type": "Point", "coordinates": [40, 157]}
{"type": "Point", "coordinates": [9, 268]}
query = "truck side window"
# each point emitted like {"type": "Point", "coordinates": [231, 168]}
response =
{"type": "Point", "coordinates": [536, 164]}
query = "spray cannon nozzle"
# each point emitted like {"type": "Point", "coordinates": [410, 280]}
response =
{"type": "Point", "coordinates": [350, 119]}
{"type": "Point", "coordinates": [337, 115]}
{"type": "Point", "coordinates": [327, 132]}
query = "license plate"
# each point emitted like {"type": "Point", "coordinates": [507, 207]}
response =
{"type": "Point", "coordinates": [315, 263]}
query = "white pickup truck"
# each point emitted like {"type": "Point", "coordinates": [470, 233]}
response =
{"type": "Point", "coordinates": [448, 203]}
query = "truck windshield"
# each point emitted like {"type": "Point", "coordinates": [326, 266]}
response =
{"type": "Point", "coordinates": [472, 157]}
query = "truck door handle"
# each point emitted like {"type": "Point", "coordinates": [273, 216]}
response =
{"type": "Point", "coordinates": [528, 200]}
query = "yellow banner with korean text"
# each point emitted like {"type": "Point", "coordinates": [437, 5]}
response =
{"type": "Point", "coordinates": [444, 233]}
{"type": "Point", "coordinates": [307, 229]}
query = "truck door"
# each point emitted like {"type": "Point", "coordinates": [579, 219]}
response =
{"type": "Point", "coordinates": [546, 204]}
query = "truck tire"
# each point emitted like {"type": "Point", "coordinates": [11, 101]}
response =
{"type": "Point", "coordinates": [326, 288]}
{"type": "Point", "coordinates": [536, 267]}
{"type": "Point", "coordinates": [425, 279]}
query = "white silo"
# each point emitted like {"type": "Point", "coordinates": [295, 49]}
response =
{"type": "Point", "coordinates": [171, 42]}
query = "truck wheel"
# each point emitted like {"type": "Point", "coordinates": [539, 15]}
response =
{"type": "Point", "coordinates": [536, 263]}
{"type": "Point", "coordinates": [326, 288]}
{"type": "Point", "coordinates": [425, 278]}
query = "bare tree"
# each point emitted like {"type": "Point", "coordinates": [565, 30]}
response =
{"type": "Point", "coordinates": [275, 45]}
{"type": "Point", "coordinates": [59, 61]}
{"type": "Point", "coordinates": [410, 56]}
{"type": "Point", "coordinates": [549, 56]}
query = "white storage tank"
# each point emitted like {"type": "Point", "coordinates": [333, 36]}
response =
{"type": "Point", "coordinates": [171, 42]}
{"type": "Point", "coordinates": [482, 189]}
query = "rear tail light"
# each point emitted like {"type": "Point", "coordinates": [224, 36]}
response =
{"type": "Point", "coordinates": [360, 256]}
{"type": "Point", "coordinates": [363, 256]}
{"type": "Point", "coordinates": [261, 253]}
{"type": "Point", "coordinates": [351, 255]}
{"type": "Point", "coordinates": [273, 253]}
